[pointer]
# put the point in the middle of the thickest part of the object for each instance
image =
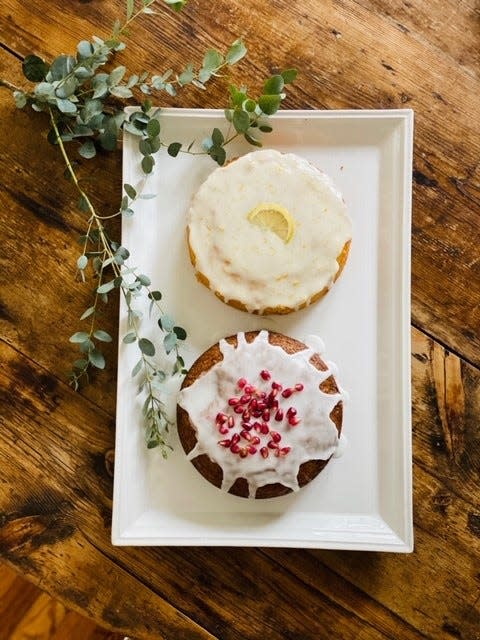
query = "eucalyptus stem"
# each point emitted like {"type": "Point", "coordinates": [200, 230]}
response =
{"type": "Point", "coordinates": [82, 99]}
{"type": "Point", "coordinates": [9, 85]}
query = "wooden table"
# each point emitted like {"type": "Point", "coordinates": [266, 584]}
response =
{"type": "Point", "coordinates": [56, 445]}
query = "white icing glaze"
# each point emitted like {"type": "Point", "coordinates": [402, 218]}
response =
{"type": "Point", "coordinates": [314, 438]}
{"type": "Point", "coordinates": [251, 264]}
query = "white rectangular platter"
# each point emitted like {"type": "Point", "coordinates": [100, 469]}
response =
{"type": "Point", "coordinates": [362, 500]}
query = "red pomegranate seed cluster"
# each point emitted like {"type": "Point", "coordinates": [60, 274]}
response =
{"type": "Point", "coordinates": [255, 409]}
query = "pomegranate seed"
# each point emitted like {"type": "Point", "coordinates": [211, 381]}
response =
{"type": "Point", "coordinates": [246, 414]}
{"type": "Point", "coordinates": [272, 445]}
{"type": "Point", "coordinates": [235, 448]}
{"type": "Point", "coordinates": [245, 399]}
{"type": "Point", "coordinates": [245, 435]}
{"type": "Point", "coordinates": [262, 394]}
{"type": "Point", "coordinates": [275, 436]}
{"type": "Point", "coordinates": [249, 388]}
{"type": "Point", "coordinates": [279, 415]}
{"type": "Point", "coordinates": [276, 386]}
{"type": "Point", "coordinates": [286, 393]}
{"type": "Point", "coordinates": [243, 452]}
{"type": "Point", "coordinates": [241, 383]}
{"type": "Point", "coordinates": [238, 408]}
{"type": "Point", "coordinates": [284, 450]}
{"type": "Point", "coordinates": [261, 406]}
{"type": "Point", "coordinates": [257, 426]}
{"type": "Point", "coordinates": [221, 418]}
{"type": "Point", "coordinates": [265, 452]}
{"type": "Point", "coordinates": [266, 415]}
{"type": "Point", "coordinates": [253, 404]}
{"type": "Point", "coordinates": [293, 421]}
{"type": "Point", "coordinates": [223, 430]}
{"type": "Point", "coordinates": [265, 375]}
{"type": "Point", "coordinates": [264, 428]}
{"type": "Point", "coordinates": [230, 422]}
{"type": "Point", "coordinates": [255, 440]}
{"type": "Point", "coordinates": [291, 411]}
{"type": "Point", "coordinates": [247, 425]}
{"type": "Point", "coordinates": [257, 413]}
{"type": "Point", "coordinates": [225, 443]}
{"type": "Point", "coordinates": [299, 386]}
{"type": "Point", "coordinates": [233, 401]}
{"type": "Point", "coordinates": [252, 450]}
{"type": "Point", "coordinates": [235, 438]}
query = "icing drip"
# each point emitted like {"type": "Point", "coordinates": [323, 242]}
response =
{"type": "Point", "coordinates": [313, 437]}
{"type": "Point", "coordinates": [252, 264]}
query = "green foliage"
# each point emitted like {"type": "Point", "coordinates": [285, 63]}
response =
{"type": "Point", "coordinates": [84, 95]}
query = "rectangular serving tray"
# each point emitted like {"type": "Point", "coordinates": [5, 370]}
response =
{"type": "Point", "coordinates": [362, 500]}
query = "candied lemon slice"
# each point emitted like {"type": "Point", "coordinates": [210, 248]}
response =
{"type": "Point", "coordinates": [274, 217]}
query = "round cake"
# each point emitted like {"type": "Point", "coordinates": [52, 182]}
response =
{"type": "Point", "coordinates": [268, 232]}
{"type": "Point", "coordinates": [260, 414]}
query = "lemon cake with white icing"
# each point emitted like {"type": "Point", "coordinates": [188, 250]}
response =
{"type": "Point", "coordinates": [268, 232]}
{"type": "Point", "coordinates": [260, 414]}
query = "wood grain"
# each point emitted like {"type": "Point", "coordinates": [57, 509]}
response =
{"type": "Point", "coordinates": [56, 484]}
{"type": "Point", "coordinates": [44, 618]}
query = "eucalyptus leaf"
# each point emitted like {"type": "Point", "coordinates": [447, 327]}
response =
{"type": "Point", "coordinates": [34, 68]}
{"type": "Point", "coordinates": [217, 137]}
{"type": "Point", "coordinates": [147, 164]}
{"type": "Point", "coordinates": [180, 333]}
{"type": "Point", "coordinates": [88, 312]}
{"type": "Point", "coordinates": [66, 106]}
{"type": "Point", "coordinates": [108, 141]}
{"type": "Point", "coordinates": [82, 262]}
{"type": "Point", "coordinates": [116, 76]}
{"type": "Point", "coordinates": [153, 128]}
{"type": "Point", "coordinates": [253, 141]}
{"type": "Point", "coordinates": [236, 52]}
{"type": "Point", "coordinates": [101, 335]}
{"type": "Point", "coordinates": [144, 147]}
{"type": "Point", "coordinates": [212, 60]}
{"type": "Point", "coordinates": [144, 280]}
{"type": "Point", "coordinates": [186, 76]}
{"type": "Point", "coordinates": [96, 358]}
{"type": "Point", "coordinates": [241, 121]}
{"type": "Point", "coordinates": [87, 150]}
{"type": "Point", "coordinates": [121, 92]}
{"type": "Point", "coordinates": [274, 85]}
{"type": "Point", "coordinates": [106, 287]}
{"type": "Point", "coordinates": [20, 99]}
{"type": "Point", "coordinates": [155, 144]}
{"type": "Point", "coordinates": [67, 88]}
{"type": "Point", "coordinates": [146, 347]}
{"type": "Point", "coordinates": [269, 104]}
{"type": "Point", "coordinates": [129, 338]}
{"type": "Point", "coordinates": [136, 369]}
{"type": "Point", "coordinates": [130, 7]}
{"type": "Point", "coordinates": [79, 337]}
{"type": "Point", "coordinates": [169, 342]}
{"type": "Point", "coordinates": [166, 323]}
{"type": "Point", "coordinates": [84, 49]}
{"type": "Point", "coordinates": [130, 191]}
{"type": "Point", "coordinates": [174, 149]}
{"type": "Point", "coordinates": [61, 67]}
{"type": "Point", "coordinates": [218, 154]}
{"type": "Point", "coordinates": [289, 75]}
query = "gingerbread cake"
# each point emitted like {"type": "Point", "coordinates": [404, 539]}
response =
{"type": "Point", "coordinates": [260, 414]}
{"type": "Point", "coordinates": [268, 232]}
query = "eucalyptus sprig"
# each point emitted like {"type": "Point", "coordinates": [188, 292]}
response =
{"type": "Point", "coordinates": [83, 97]}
